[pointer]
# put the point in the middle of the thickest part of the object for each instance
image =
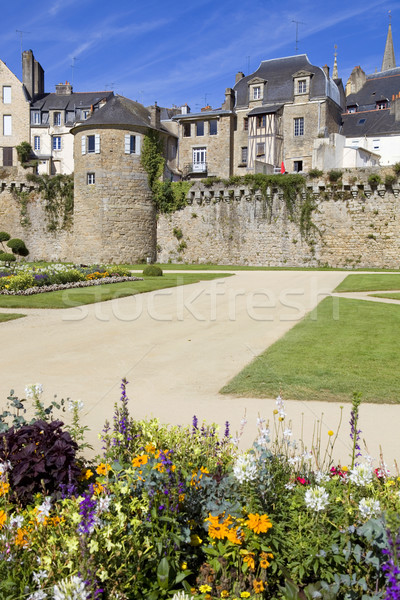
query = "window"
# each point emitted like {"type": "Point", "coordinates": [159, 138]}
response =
{"type": "Point", "coordinates": [199, 160]}
{"type": "Point", "coordinates": [186, 130]}
{"type": "Point", "coordinates": [56, 142]}
{"type": "Point", "coordinates": [213, 127]}
{"type": "Point", "coordinates": [302, 86]}
{"type": "Point", "coordinates": [90, 144]}
{"type": "Point", "coordinates": [244, 155]}
{"type": "Point", "coordinates": [381, 104]}
{"type": "Point", "coordinates": [361, 121]}
{"type": "Point", "coordinates": [351, 109]}
{"type": "Point", "coordinates": [299, 126]}
{"type": "Point", "coordinates": [261, 120]}
{"type": "Point", "coordinates": [7, 125]}
{"type": "Point", "coordinates": [35, 118]}
{"type": "Point", "coordinates": [297, 166]}
{"type": "Point", "coordinates": [57, 118]}
{"type": "Point", "coordinates": [7, 156]}
{"type": "Point", "coordinates": [91, 179]}
{"type": "Point", "coordinates": [36, 142]}
{"type": "Point", "coordinates": [260, 149]}
{"type": "Point", "coordinates": [6, 94]}
{"type": "Point", "coordinates": [257, 92]}
{"type": "Point", "coordinates": [200, 128]}
{"type": "Point", "coordinates": [85, 114]}
{"type": "Point", "coordinates": [246, 124]}
{"type": "Point", "coordinates": [132, 144]}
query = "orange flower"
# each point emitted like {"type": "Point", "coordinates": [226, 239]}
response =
{"type": "Point", "coordinates": [249, 560]}
{"type": "Point", "coordinates": [103, 469]}
{"type": "Point", "coordinates": [21, 538]}
{"type": "Point", "coordinates": [216, 530]}
{"type": "Point", "coordinates": [234, 536]}
{"type": "Point", "coordinates": [98, 488]}
{"type": "Point", "coordinates": [150, 448]}
{"type": "Point", "coordinates": [264, 562]}
{"type": "Point", "coordinates": [160, 467]}
{"type": "Point", "coordinates": [4, 488]}
{"type": "Point", "coordinates": [258, 523]}
{"type": "Point", "coordinates": [258, 586]}
{"type": "Point", "coordinates": [3, 518]}
{"type": "Point", "coordinates": [139, 461]}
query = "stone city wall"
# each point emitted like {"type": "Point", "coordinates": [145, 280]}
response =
{"type": "Point", "coordinates": [354, 226]}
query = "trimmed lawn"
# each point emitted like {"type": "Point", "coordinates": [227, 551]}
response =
{"type": "Point", "coordinates": [101, 293]}
{"type": "Point", "coordinates": [367, 283]}
{"type": "Point", "coordinates": [351, 346]}
{"type": "Point", "coordinates": [9, 317]}
{"type": "Point", "coordinates": [393, 296]}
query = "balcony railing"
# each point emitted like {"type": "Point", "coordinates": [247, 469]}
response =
{"type": "Point", "coordinates": [196, 167]}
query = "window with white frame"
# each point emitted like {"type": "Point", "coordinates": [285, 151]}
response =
{"type": "Point", "coordinates": [302, 86]}
{"type": "Point", "coordinates": [57, 118]}
{"type": "Point", "coordinates": [200, 159]}
{"type": "Point", "coordinates": [257, 92]}
{"type": "Point", "coordinates": [132, 144]}
{"type": "Point", "coordinates": [90, 144]}
{"type": "Point", "coordinates": [6, 94]}
{"type": "Point", "coordinates": [36, 142]}
{"type": "Point", "coordinates": [56, 142]}
{"type": "Point", "coordinates": [7, 125]}
{"type": "Point", "coordinates": [35, 117]}
{"type": "Point", "coordinates": [299, 126]}
{"type": "Point", "coordinates": [91, 178]}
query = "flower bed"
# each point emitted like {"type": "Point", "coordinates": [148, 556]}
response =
{"type": "Point", "coordinates": [26, 280]}
{"type": "Point", "coordinates": [180, 512]}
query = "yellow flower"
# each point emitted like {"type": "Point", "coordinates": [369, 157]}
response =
{"type": "Point", "coordinates": [390, 482]}
{"type": "Point", "coordinates": [4, 488]}
{"type": "Point", "coordinates": [330, 432]}
{"type": "Point", "coordinates": [195, 540]}
{"type": "Point", "coordinates": [275, 412]}
{"type": "Point", "coordinates": [216, 530]}
{"type": "Point", "coordinates": [150, 448]}
{"type": "Point", "coordinates": [184, 566]}
{"type": "Point", "coordinates": [21, 538]}
{"type": "Point", "coordinates": [159, 467]}
{"type": "Point", "coordinates": [258, 523]}
{"type": "Point", "coordinates": [139, 461]}
{"type": "Point", "coordinates": [258, 586]}
{"type": "Point", "coordinates": [103, 469]}
{"type": "Point", "coordinates": [88, 473]}
{"type": "Point", "coordinates": [98, 488]}
{"type": "Point", "coordinates": [3, 518]}
{"type": "Point", "coordinates": [224, 594]}
{"type": "Point", "coordinates": [249, 560]}
{"type": "Point", "coordinates": [205, 588]}
{"type": "Point", "coordinates": [264, 562]}
{"type": "Point", "coordinates": [233, 536]}
{"type": "Point", "coordinates": [245, 595]}
{"type": "Point", "coordinates": [345, 469]}
{"type": "Point", "coordinates": [281, 418]}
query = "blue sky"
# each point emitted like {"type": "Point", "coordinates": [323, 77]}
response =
{"type": "Point", "coordinates": [181, 52]}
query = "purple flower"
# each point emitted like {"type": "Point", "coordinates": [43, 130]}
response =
{"type": "Point", "coordinates": [194, 423]}
{"type": "Point", "coordinates": [227, 429]}
{"type": "Point", "coordinates": [391, 568]}
{"type": "Point", "coordinates": [87, 510]}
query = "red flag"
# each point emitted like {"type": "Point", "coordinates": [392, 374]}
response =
{"type": "Point", "coordinates": [282, 167]}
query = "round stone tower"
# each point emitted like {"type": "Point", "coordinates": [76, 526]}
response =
{"type": "Point", "coordinates": [114, 214]}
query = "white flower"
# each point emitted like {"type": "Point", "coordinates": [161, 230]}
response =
{"type": "Point", "coordinates": [16, 521]}
{"type": "Point", "coordinates": [321, 477]}
{"type": "Point", "coordinates": [287, 433]}
{"type": "Point", "coordinates": [38, 576]}
{"type": "Point", "coordinates": [361, 475]}
{"type": "Point", "coordinates": [72, 588]}
{"type": "Point", "coordinates": [43, 510]}
{"type": "Point", "coordinates": [103, 504]}
{"type": "Point", "coordinates": [39, 595]}
{"type": "Point", "coordinates": [293, 460]}
{"type": "Point", "coordinates": [316, 498]}
{"type": "Point", "coordinates": [369, 507]}
{"type": "Point", "coordinates": [4, 467]}
{"type": "Point", "coordinates": [290, 485]}
{"type": "Point", "coordinates": [245, 468]}
{"type": "Point", "coordinates": [307, 456]}
{"type": "Point", "coordinates": [33, 390]}
{"type": "Point", "coordinates": [260, 421]}
{"type": "Point", "coordinates": [180, 596]}
{"type": "Point", "coordinates": [75, 405]}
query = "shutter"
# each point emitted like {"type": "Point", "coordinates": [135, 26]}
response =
{"type": "Point", "coordinates": [138, 140]}
{"type": "Point", "coordinates": [127, 144]}
{"type": "Point", "coordinates": [83, 141]}
{"type": "Point", "coordinates": [97, 143]}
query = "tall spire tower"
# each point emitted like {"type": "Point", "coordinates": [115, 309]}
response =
{"type": "Point", "coordinates": [389, 61]}
{"type": "Point", "coordinates": [335, 74]}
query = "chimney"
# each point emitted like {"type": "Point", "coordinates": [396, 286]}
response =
{"type": "Point", "coordinates": [32, 75]}
{"type": "Point", "coordinates": [185, 109]}
{"type": "Point", "coordinates": [326, 71]}
{"type": "Point", "coordinates": [239, 76]}
{"type": "Point", "coordinates": [64, 89]}
{"type": "Point", "coordinates": [155, 116]}
{"type": "Point", "coordinates": [229, 99]}
{"type": "Point", "coordinates": [395, 108]}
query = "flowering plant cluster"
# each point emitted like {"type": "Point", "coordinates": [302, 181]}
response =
{"type": "Point", "coordinates": [180, 513]}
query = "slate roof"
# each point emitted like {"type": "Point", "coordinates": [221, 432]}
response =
{"type": "Point", "coordinates": [121, 111]}
{"type": "Point", "coordinates": [69, 101]}
{"type": "Point", "coordinates": [378, 86]}
{"type": "Point", "coordinates": [279, 74]}
{"type": "Point", "coordinates": [376, 123]}
{"type": "Point", "coordinates": [265, 110]}
{"type": "Point", "coordinates": [204, 113]}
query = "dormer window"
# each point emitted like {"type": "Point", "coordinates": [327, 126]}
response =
{"type": "Point", "coordinates": [257, 92]}
{"type": "Point", "coordinates": [302, 83]}
{"type": "Point", "coordinates": [257, 89]}
{"type": "Point", "coordinates": [352, 109]}
{"type": "Point", "coordinates": [381, 104]}
{"type": "Point", "coordinates": [302, 86]}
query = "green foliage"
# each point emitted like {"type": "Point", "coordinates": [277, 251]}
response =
{"type": "Point", "coordinates": [152, 156]}
{"type": "Point", "coordinates": [209, 181]}
{"type": "Point", "coordinates": [19, 282]}
{"type": "Point", "coordinates": [390, 179]}
{"type": "Point", "coordinates": [334, 176]}
{"type": "Point", "coordinates": [24, 151]}
{"type": "Point", "coordinates": [58, 193]}
{"type": "Point", "coordinates": [7, 257]}
{"type": "Point", "coordinates": [396, 168]}
{"type": "Point", "coordinates": [177, 231]}
{"type": "Point", "coordinates": [374, 179]}
{"type": "Point", "coordinates": [152, 271]}
{"type": "Point", "coordinates": [4, 236]}
{"type": "Point", "coordinates": [170, 196]}
{"type": "Point", "coordinates": [18, 247]}
{"type": "Point", "coordinates": [315, 173]}
{"type": "Point", "coordinates": [22, 197]}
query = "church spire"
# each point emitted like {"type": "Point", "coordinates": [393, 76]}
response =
{"type": "Point", "coordinates": [389, 61]}
{"type": "Point", "coordinates": [335, 74]}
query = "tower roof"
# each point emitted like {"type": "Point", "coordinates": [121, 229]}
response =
{"type": "Point", "coordinates": [389, 61]}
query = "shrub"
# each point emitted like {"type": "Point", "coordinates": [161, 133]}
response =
{"type": "Point", "coordinates": [152, 271]}
{"type": "Point", "coordinates": [396, 168]}
{"type": "Point", "coordinates": [7, 257]}
{"type": "Point", "coordinates": [374, 179]}
{"type": "Point", "coordinates": [22, 281]}
{"type": "Point", "coordinates": [70, 276]}
{"type": "Point", "coordinates": [24, 151]}
{"type": "Point", "coordinates": [314, 173]}
{"type": "Point", "coordinates": [4, 236]}
{"type": "Point", "coordinates": [390, 179]}
{"type": "Point", "coordinates": [334, 176]}
{"type": "Point", "coordinates": [41, 456]}
{"type": "Point", "coordinates": [177, 233]}
{"type": "Point", "coordinates": [18, 247]}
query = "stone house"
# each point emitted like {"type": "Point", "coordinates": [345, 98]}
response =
{"type": "Point", "coordinates": [114, 212]}
{"type": "Point", "coordinates": [270, 116]}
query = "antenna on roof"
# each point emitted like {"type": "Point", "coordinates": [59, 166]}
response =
{"type": "Point", "coordinates": [73, 66]}
{"type": "Point", "coordinates": [205, 99]}
{"type": "Point", "coordinates": [109, 85]}
{"type": "Point", "coordinates": [21, 33]}
{"type": "Point", "coordinates": [297, 33]}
